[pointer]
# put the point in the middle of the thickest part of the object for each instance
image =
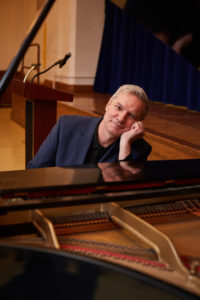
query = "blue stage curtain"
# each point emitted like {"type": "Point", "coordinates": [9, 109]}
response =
{"type": "Point", "coordinates": [131, 54]}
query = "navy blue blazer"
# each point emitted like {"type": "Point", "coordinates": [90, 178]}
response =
{"type": "Point", "coordinates": [69, 140]}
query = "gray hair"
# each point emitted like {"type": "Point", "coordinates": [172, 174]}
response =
{"type": "Point", "coordinates": [134, 90]}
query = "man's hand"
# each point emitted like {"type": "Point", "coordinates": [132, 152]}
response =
{"type": "Point", "coordinates": [128, 137]}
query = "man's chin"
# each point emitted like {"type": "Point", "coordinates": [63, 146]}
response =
{"type": "Point", "coordinates": [116, 133]}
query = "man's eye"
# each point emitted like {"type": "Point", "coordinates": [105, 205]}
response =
{"type": "Point", "coordinates": [118, 107]}
{"type": "Point", "coordinates": [132, 116]}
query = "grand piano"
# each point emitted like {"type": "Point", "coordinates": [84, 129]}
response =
{"type": "Point", "coordinates": [106, 231]}
{"type": "Point", "coordinates": [112, 231]}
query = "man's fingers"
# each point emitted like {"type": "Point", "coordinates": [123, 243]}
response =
{"type": "Point", "coordinates": [138, 126]}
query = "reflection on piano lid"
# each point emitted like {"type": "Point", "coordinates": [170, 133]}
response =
{"type": "Point", "coordinates": [56, 186]}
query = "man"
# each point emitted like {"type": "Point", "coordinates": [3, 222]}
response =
{"type": "Point", "coordinates": [118, 136]}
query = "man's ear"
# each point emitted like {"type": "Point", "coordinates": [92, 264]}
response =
{"type": "Point", "coordinates": [109, 102]}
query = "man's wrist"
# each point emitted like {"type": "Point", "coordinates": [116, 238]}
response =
{"type": "Point", "coordinates": [124, 150]}
{"type": "Point", "coordinates": [127, 158]}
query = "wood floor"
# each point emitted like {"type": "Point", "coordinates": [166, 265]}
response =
{"type": "Point", "coordinates": [173, 132]}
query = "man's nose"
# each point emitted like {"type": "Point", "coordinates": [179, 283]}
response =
{"type": "Point", "coordinates": [122, 116]}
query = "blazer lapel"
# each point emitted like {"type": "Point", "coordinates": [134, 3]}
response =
{"type": "Point", "coordinates": [85, 140]}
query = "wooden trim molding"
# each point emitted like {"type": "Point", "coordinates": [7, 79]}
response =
{"type": "Point", "coordinates": [69, 87]}
{"type": "Point", "coordinates": [73, 88]}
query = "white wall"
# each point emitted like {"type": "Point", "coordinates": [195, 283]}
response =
{"type": "Point", "coordinates": [74, 26]}
{"type": "Point", "coordinates": [61, 37]}
{"type": "Point", "coordinates": [16, 17]}
{"type": "Point", "coordinates": [79, 26]}
{"type": "Point", "coordinates": [89, 24]}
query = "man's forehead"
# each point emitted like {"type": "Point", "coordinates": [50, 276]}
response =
{"type": "Point", "coordinates": [122, 97]}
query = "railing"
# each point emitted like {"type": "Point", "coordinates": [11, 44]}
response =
{"type": "Point", "coordinates": [37, 68]}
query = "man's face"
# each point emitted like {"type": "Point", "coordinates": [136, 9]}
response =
{"type": "Point", "coordinates": [121, 113]}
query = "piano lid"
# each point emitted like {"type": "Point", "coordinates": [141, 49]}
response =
{"type": "Point", "coordinates": [58, 186]}
{"type": "Point", "coordinates": [176, 171]}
